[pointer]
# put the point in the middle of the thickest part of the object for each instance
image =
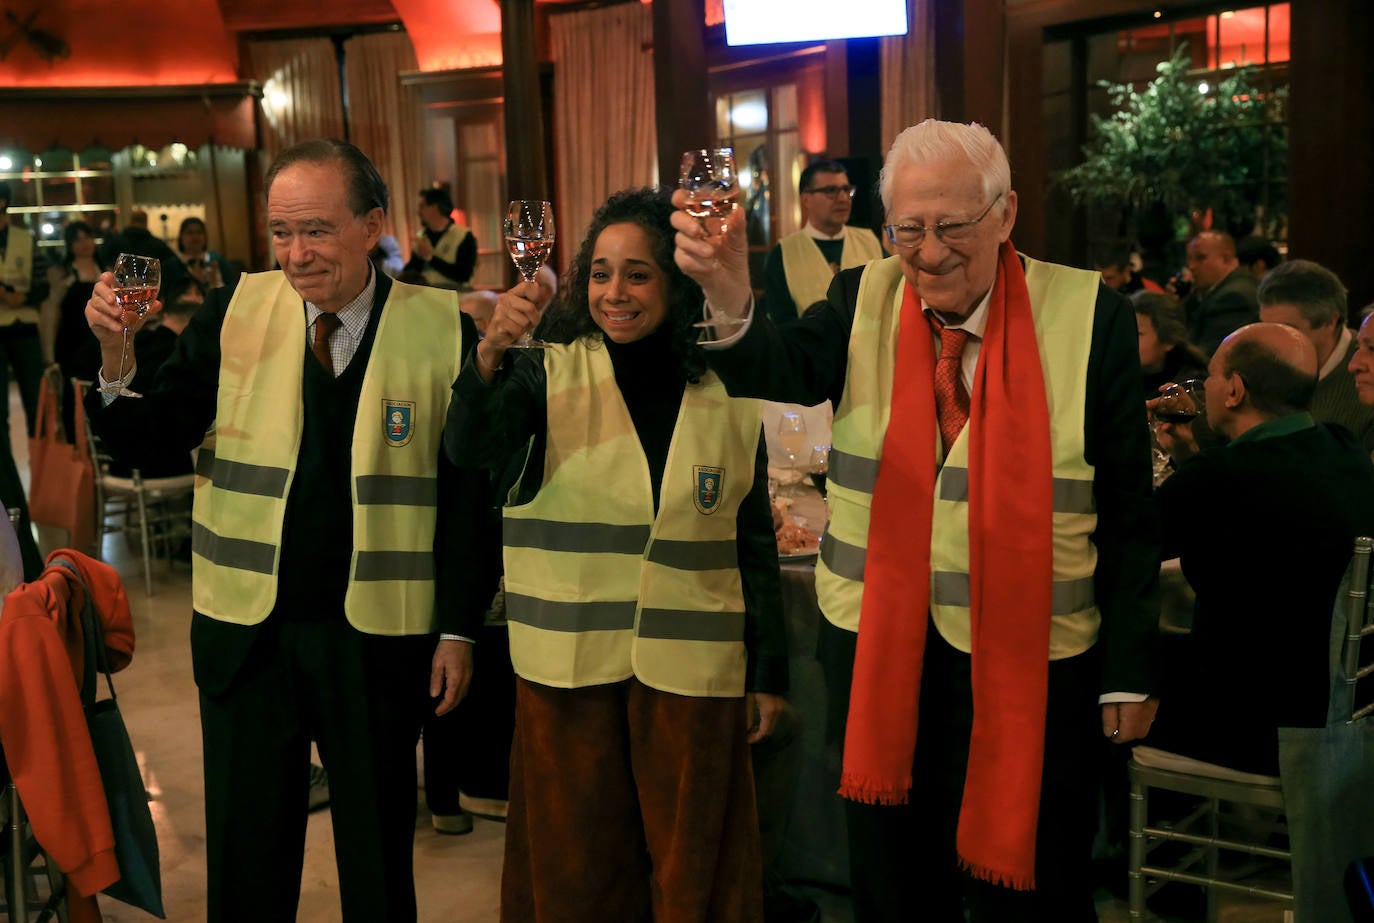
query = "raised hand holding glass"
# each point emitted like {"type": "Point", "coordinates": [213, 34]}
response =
{"type": "Point", "coordinates": [529, 232]}
{"type": "Point", "coordinates": [136, 283]}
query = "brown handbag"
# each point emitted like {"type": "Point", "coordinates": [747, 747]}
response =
{"type": "Point", "coordinates": [62, 478]}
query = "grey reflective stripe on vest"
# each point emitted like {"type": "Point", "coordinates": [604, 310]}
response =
{"type": "Point", "coordinates": [584, 537]}
{"type": "Point", "coordinates": [570, 616]}
{"type": "Point", "coordinates": [843, 559]}
{"type": "Point", "coordinates": [1068, 495]}
{"type": "Point", "coordinates": [238, 553]}
{"type": "Point", "coordinates": [394, 565]}
{"type": "Point", "coordinates": [242, 477]}
{"type": "Point", "coordinates": [948, 588]}
{"type": "Point", "coordinates": [396, 490]}
{"type": "Point", "coordinates": [852, 471]}
{"type": "Point", "coordinates": [681, 555]}
{"type": "Point", "coordinates": [691, 625]}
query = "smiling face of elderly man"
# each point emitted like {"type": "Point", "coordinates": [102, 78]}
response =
{"type": "Point", "coordinates": [950, 202]}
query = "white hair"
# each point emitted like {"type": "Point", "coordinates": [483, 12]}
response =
{"type": "Point", "coordinates": [936, 140]}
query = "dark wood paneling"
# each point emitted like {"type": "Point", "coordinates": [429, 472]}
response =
{"type": "Point", "coordinates": [526, 174]}
{"type": "Point", "coordinates": [1331, 139]}
{"type": "Point", "coordinates": [684, 107]}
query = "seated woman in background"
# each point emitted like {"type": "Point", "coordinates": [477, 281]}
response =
{"type": "Point", "coordinates": [642, 588]}
{"type": "Point", "coordinates": [208, 269]}
{"type": "Point", "coordinates": [1165, 353]}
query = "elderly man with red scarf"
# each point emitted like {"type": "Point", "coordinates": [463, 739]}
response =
{"type": "Point", "coordinates": [990, 566]}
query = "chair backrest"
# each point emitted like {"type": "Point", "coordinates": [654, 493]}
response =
{"type": "Point", "coordinates": [100, 458]}
{"type": "Point", "coordinates": [1357, 675]}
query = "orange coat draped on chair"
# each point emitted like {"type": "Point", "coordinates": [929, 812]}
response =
{"type": "Point", "coordinates": [43, 726]}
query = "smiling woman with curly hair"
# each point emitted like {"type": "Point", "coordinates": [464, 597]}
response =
{"type": "Point", "coordinates": [641, 588]}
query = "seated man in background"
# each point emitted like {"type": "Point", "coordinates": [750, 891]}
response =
{"type": "Point", "coordinates": [1222, 298]}
{"type": "Point", "coordinates": [1264, 528]}
{"type": "Point", "coordinates": [1310, 298]}
{"type": "Point", "coordinates": [1114, 262]}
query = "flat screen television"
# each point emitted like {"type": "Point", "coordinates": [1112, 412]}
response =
{"type": "Point", "coordinates": [767, 22]}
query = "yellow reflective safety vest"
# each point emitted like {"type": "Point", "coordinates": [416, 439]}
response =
{"type": "Point", "coordinates": [246, 466]}
{"type": "Point", "coordinates": [1062, 303]}
{"type": "Point", "coordinates": [809, 274]}
{"type": "Point", "coordinates": [598, 588]}
{"type": "Point", "coordinates": [447, 250]}
{"type": "Point", "coordinates": [16, 271]}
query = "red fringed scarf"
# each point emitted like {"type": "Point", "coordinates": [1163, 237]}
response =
{"type": "Point", "coordinates": [1010, 513]}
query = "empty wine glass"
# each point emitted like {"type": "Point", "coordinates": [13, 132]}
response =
{"type": "Point", "coordinates": [529, 240]}
{"type": "Point", "coordinates": [820, 466]}
{"type": "Point", "coordinates": [136, 283]}
{"type": "Point", "coordinates": [792, 437]}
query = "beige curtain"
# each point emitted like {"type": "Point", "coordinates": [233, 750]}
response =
{"type": "Point", "coordinates": [908, 73]}
{"type": "Point", "coordinates": [301, 97]}
{"type": "Point", "coordinates": [385, 122]}
{"type": "Point", "coordinates": [603, 110]}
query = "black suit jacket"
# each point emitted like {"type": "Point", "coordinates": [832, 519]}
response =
{"type": "Point", "coordinates": [174, 416]}
{"type": "Point", "coordinates": [1225, 307]}
{"type": "Point", "coordinates": [805, 363]}
{"type": "Point", "coordinates": [1263, 530]}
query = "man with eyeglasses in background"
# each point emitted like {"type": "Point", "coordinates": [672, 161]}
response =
{"type": "Point", "coordinates": [991, 560]}
{"type": "Point", "coordinates": [799, 269]}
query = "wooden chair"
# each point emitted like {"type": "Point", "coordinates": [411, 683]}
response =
{"type": "Point", "coordinates": [1240, 813]}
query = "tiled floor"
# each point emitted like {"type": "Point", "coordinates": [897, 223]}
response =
{"type": "Point", "coordinates": [456, 877]}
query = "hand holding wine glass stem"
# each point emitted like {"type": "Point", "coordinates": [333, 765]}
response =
{"type": "Point", "coordinates": [719, 264]}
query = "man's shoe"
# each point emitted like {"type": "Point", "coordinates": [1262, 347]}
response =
{"type": "Point", "coordinates": [490, 808]}
{"type": "Point", "coordinates": [452, 824]}
{"type": "Point", "coordinates": [319, 788]}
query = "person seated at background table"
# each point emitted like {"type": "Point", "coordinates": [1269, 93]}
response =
{"type": "Point", "coordinates": [195, 259]}
{"type": "Point", "coordinates": [1263, 528]}
{"type": "Point", "coordinates": [1222, 297]}
{"type": "Point", "coordinates": [1165, 353]}
{"type": "Point", "coordinates": [1114, 262]}
{"type": "Point", "coordinates": [1311, 299]}
{"type": "Point", "coordinates": [1257, 256]}
{"type": "Point", "coordinates": [642, 589]}
{"type": "Point", "coordinates": [1012, 485]}
{"type": "Point", "coordinates": [135, 238]}
{"type": "Point", "coordinates": [1361, 366]}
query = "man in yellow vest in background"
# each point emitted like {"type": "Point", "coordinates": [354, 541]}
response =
{"type": "Point", "coordinates": [989, 570]}
{"type": "Point", "coordinates": [444, 252]}
{"type": "Point", "coordinates": [22, 290]}
{"type": "Point", "coordinates": [799, 269]}
{"type": "Point", "coordinates": [317, 395]}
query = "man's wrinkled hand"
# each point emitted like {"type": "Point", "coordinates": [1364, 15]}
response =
{"type": "Point", "coordinates": [1124, 722]}
{"type": "Point", "coordinates": [450, 673]}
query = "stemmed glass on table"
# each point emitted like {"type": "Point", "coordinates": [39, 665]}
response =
{"type": "Point", "coordinates": [136, 283]}
{"type": "Point", "coordinates": [529, 240]}
{"type": "Point", "coordinates": [1179, 403]}
{"type": "Point", "coordinates": [709, 178]}
{"type": "Point", "coordinates": [792, 437]}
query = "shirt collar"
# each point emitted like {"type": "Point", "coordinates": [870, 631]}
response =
{"type": "Point", "coordinates": [1279, 426]}
{"type": "Point", "coordinates": [975, 323]}
{"type": "Point", "coordinates": [1338, 355]}
{"type": "Point", "coordinates": [815, 233]}
{"type": "Point", "coordinates": [352, 316]}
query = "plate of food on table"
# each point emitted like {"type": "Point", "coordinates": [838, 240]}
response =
{"type": "Point", "coordinates": [796, 542]}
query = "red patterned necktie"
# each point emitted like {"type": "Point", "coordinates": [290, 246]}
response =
{"type": "Point", "coordinates": [951, 397]}
{"type": "Point", "coordinates": [325, 324]}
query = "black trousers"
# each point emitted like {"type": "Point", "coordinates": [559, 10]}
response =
{"type": "Point", "coordinates": [21, 355]}
{"type": "Point", "coordinates": [468, 749]}
{"type": "Point", "coordinates": [903, 863]}
{"type": "Point", "coordinates": [362, 699]}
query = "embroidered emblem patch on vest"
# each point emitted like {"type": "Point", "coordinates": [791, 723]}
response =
{"type": "Point", "coordinates": [397, 420]}
{"type": "Point", "coordinates": [709, 481]}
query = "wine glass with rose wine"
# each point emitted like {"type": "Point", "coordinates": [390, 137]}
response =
{"type": "Point", "coordinates": [709, 178]}
{"type": "Point", "coordinates": [136, 283]}
{"type": "Point", "coordinates": [529, 240]}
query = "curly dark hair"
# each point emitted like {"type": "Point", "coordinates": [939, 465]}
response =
{"type": "Point", "coordinates": [569, 317]}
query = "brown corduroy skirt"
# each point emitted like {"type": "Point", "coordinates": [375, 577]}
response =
{"type": "Point", "coordinates": [630, 804]}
